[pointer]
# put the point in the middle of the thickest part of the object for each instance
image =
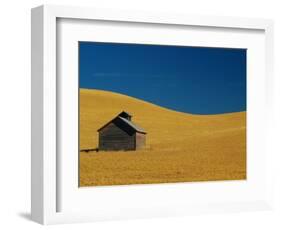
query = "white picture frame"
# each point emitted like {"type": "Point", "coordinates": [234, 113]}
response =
{"type": "Point", "coordinates": [46, 172]}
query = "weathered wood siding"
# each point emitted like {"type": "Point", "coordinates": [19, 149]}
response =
{"type": "Point", "coordinates": [140, 140]}
{"type": "Point", "coordinates": [116, 137]}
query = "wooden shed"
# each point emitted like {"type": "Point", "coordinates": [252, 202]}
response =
{"type": "Point", "coordinates": [121, 134]}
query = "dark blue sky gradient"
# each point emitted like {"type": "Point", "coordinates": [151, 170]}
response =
{"type": "Point", "coordinates": [188, 79]}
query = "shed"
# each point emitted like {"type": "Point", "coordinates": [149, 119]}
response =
{"type": "Point", "coordinates": [121, 133]}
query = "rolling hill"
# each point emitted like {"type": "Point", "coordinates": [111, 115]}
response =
{"type": "Point", "coordinates": [180, 147]}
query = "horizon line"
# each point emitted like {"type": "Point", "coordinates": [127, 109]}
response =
{"type": "Point", "coordinates": [200, 114]}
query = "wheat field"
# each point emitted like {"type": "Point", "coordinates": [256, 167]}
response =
{"type": "Point", "coordinates": [180, 147]}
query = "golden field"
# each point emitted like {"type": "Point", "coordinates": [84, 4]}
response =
{"type": "Point", "coordinates": [180, 147]}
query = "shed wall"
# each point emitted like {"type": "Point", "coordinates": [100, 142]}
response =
{"type": "Point", "coordinates": [113, 137]}
{"type": "Point", "coordinates": [140, 140]}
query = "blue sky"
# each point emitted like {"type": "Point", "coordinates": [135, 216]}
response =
{"type": "Point", "coordinates": [195, 80]}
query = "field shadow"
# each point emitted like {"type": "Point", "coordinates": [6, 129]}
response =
{"type": "Point", "coordinates": [89, 150]}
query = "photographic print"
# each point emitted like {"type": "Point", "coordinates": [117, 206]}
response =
{"type": "Point", "coordinates": [161, 114]}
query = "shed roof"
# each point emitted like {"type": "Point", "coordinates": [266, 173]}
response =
{"type": "Point", "coordinates": [133, 125]}
{"type": "Point", "coordinates": [124, 114]}
{"type": "Point", "coordinates": [130, 123]}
